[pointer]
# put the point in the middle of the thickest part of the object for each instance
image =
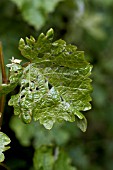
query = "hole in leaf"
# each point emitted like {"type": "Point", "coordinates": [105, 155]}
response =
{"type": "Point", "coordinates": [61, 98]}
{"type": "Point", "coordinates": [40, 55]}
{"type": "Point", "coordinates": [54, 64]}
{"type": "Point", "coordinates": [22, 88]}
{"type": "Point", "coordinates": [45, 80]}
{"type": "Point", "coordinates": [27, 85]}
{"type": "Point", "coordinates": [22, 96]}
{"type": "Point", "coordinates": [49, 86]}
{"type": "Point", "coordinates": [37, 88]}
{"type": "Point", "coordinates": [63, 50]}
{"type": "Point", "coordinates": [70, 52]}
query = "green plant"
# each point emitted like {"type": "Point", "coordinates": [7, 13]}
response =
{"type": "Point", "coordinates": [54, 86]}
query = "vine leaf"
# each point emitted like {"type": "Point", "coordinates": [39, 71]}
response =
{"type": "Point", "coordinates": [55, 86]}
{"type": "Point", "coordinates": [4, 140]}
{"type": "Point", "coordinates": [81, 122]}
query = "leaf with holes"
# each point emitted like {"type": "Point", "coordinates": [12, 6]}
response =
{"type": "Point", "coordinates": [55, 86]}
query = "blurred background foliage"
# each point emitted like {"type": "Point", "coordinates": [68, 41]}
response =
{"type": "Point", "coordinates": [88, 25]}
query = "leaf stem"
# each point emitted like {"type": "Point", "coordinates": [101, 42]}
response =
{"type": "Point", "coordinates": [4, 81]}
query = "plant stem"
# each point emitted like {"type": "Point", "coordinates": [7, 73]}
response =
{"type": "Point", "coordinates": [4, 81]}
{"type": "Point", "coordinates": [4, 77]}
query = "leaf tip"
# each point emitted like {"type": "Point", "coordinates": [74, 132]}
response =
{"type": "Point", "coordinates": [50, 34]}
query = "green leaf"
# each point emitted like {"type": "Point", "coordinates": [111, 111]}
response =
{"type": "Point", "coordinates": [49, 158]}
{"type": "Point", "coordinates": [81, 122]}
{"type": "Point", "coordinates": [58, 134]}
{"type": "Point", "coordinates": [15, 74]}
{"type": "Point", "coordinates": [43, 158]}
{"type": "Point", "coordinates": [37, 100]}
{"type": "Point", "coordinates": [35, 48]}
{"type": "Point", "coordinates": [20, 130]}
{"type": "Point", "coordinates": [4, 140]}
{"type": "Point", "coordinates": [55, 86]}
{"type": "Point", "coordinates": [93, 25]}
{"type": "Point", "coordinates": [36, 12]}
{"type": "Point", "coordinates": [63, 162]}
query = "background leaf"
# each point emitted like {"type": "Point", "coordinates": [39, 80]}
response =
{"type": "Point", "coordinates": [58, 134]}
{"type": "Point", "coordinates": [35, 12]}
{"type": "Point", "coordinates": [4, 140]}
{"type": "Point", "coordinates": [43, 158]}
{"type": "Point", "coordinates": [48, 158]}
{"type": "Point", "coordinates": [63, 162]}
